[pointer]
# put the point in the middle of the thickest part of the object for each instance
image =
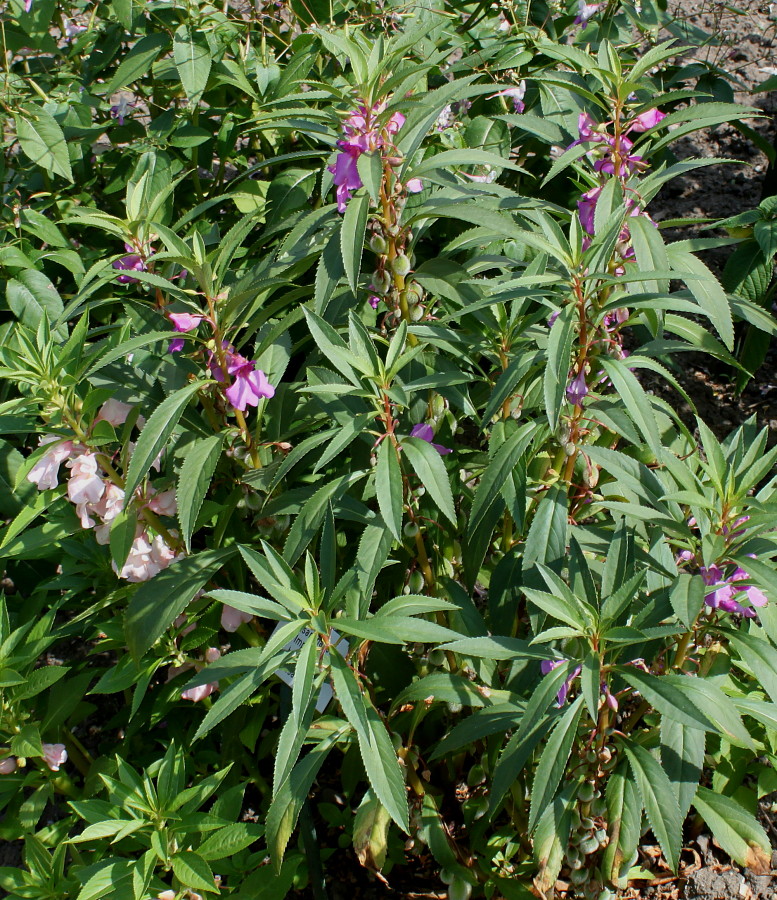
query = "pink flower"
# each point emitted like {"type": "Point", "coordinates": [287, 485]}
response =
{"type": "Point", "coordinates": [114, 412]}
{"type": "Point", "coordinates": [395, 122]}
{"type": "Point", "coordinates": [374, 301]}
{"type": "Point", "coordinates": [8, 765]}
{"type": "Point", "coordinates": [425, 433]}
{"type": "Point", "coordinates": [250, 385]}
{"type": "Point", "coordinates": [185, 321]}
{"type": "Point", "coordinates": [346, 173]}
{"type": "Point", "coordinates": [586, 128]}
{"type": "Point", "coordinates": [107, 508]}
{"type": "Point", "coordinates": [54, 756]}
{"type": "Point", "coordinates": [146, 558]}
{"type": "Point", "coordinates": [414, 185]}
{"type": "Point", "coordinates": [200, 692]}
{"type": "Point", "coordinates": [647, 120]}
{"type": "Point", "coordinates": [45, 472]}
{"type": "Point", "coordinates": [548, 665]}
{"type": "Point", "coordinates": [232, 619]}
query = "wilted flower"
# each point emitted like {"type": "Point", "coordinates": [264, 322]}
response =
{"type": "Point", "coordinates": [425, 433]}
{"type": "Point", "coordinates": [54, 755]}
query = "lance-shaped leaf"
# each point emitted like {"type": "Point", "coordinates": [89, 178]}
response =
{"type": "Point", "coordinates": [352, 237]}
{"type": "Point", "coordinates": [659, 800]}
{"type": "Point", "coordinates": [738, 833]}
{"type": "Point", "coordinates": [43, 141]}
{"type": "Point", "coordinates": [430, 469]}
{"type": "Point", "coordinates": [194, 479]}
{"type": "Point", "coordinates": [388, 487]}
{"type": "Point", "coordinates": [682, 756]}
{"type": "Point", "coordinates": [156, 433]}
{"type": "Point", "coordinates": [559, 351]}
{"type": "Point", "coordinates": [553, 761]}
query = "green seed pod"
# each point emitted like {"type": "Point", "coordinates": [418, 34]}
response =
{"type": "Point", "coordinates": [586, 823]}
{"type": "Point", "coordinates": [476, 775]}
{"type": "Point", "coordinates": [576, 863]}
{"type": "Point", "coordinates": [459, 890]}
{"type": "Point", "coordinates": [599, 807]}
{"type": "Point", "coordinates": [605, 894]}
{"type": "Point", "coordinates": [416, 582]}
{"type": "Point", "coordinates": [436, 657]}
{"type": "Point", "coordinates": [591, 756]}
{"type": "Point", "coordinates": [378, 244]}
{"type": "Point", "coordinates": [438, 405]}
{"type": "Point", "coordinates": [400, 265]}
{"type": "Point", "coordinates": [601, 835]}
{"type": "Point", "coordinates": [417, 313]}
{"type": "Point", "coordinates": [446, 876]}
{"type": "Point", "coordinates": [396, 740]}
{"type": "Point", "coordinates": [455, 707]}
{"type": "Point", "coordinates": [381, 281]}
{"type": "Point", "coordinates": [578, 876]}
{"type": "Point", "coordinates": [415, 293]}
{"type": "Point", "coordinates": [586, 792]}
{"type": "Point", "coordinates": [411, 529]}
{"type": "Point", "coordinates": [589, 845]}
{"type": "Point", "coordinates": [569, 448]}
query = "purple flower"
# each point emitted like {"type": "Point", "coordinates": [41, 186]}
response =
{"type": "Point", "coordinates": [425, 433]}
{"type": "Point", "coordinates": [548, 665]}
{"type": "Point", "coordinates": [585, 11]}
{"type": "Point", "coordinates": [516, 93]}
{"type": "Point", "coordinates": [27, 5]}
{"type": "Point", "coordinates": [374, 301]}
{"type": "Point", "coordinates": [577, 389]}
{"type": "Point", "coordinates": [120, 110]}
{"type": "Point", "coordinates": [133, 262]}
{"type": "Point", "coordinates": [346, 173]}
{"type": "Point", "coordinates": [724, 595]}
{"type": "Point", "coordinates": [586, 206]}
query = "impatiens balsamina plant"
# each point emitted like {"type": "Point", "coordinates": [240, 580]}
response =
{"type": "Point", "coordinates": [336, 513]}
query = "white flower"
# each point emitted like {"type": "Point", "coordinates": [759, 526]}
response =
{"type": "Point", "coordinates": [114, 412]}
{"type": "Point", "coordinates": [232, 619]}
{"type": "Point", "coordinates": [85, 485]}
{"type": "Point", "coordinates": [163, 504]}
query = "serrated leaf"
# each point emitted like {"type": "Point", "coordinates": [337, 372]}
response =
{"type": "Point", "coordinates": [659, 801]}
{"type": "Point", "coordinates": [193, 59]}
{"type": "Point", "coordinates": [430, 469]}
{"type": "Point", "coordinates": [194, 479]}
{"type": "Point", "coordinates": [388, 487]}
{"type": "Point", "coordinates": [43, 141]}
{"type": "Point", "coordinates": [553, 761]}
{"type": "Point", "coordinates": [559, 353]}
{"type": "Point", "coordinates": [138, 61]}
{"type": "Point", "coordinates": [155, 434]}
{"type": "Point", "coordinates": [352, 237]}
{"type": "Point", "coordinates": [682, 756]}
{"type": "Point", "coordinates": [738, 833]}
{"type": "Point", "coordinates": [193, 871]}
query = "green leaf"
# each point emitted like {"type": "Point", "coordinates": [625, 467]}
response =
{"type": "Point", "coordinates": [559, 352]}
{"type": "Point", "coordinates": [43, 141]}
{"type": "Point", "coordinates": [138, 61]}
{"type": "Point", "coordinates": [238, 691]}
{"type": "Point", "coordinates": [659, 799]}
{"type": "Point", "coordinates": [551, 840]}
{"type": "Point", "coordinates": [31, 296]}
{"type": "Point", "coordinates": [370, 168]}
{"type": "Point", "coordinates": [122, 535]}
{"type": "Point", "coordinates": [192, 871]}
{"type": "Point", "coordinates": [706, 290]}
{"type": "Point", "coordinates": [396, 629]}
{"type": "Point", "coordinates": [352, 237]}
{"type": "Point", "coordinates": [757, 655]}
{"type": "Point", "coordinates": [193, 60]}
{"type": "Point", "coordinates": [430, 469]}
{"type": "Point", "coordinates": [547, 537]}
{"type": "Point", "coordinates": [634, 397]}
{"type": "Point", "coordinates": [682, 756]}
{"type": "Point", "coordinates": [156, 433]}
{"type": "Point", "coordinates": [157, 603]}
{"type": "Point", "coordinates": [194, 479]}
{"type": "Point", "coordinates": [667, 697]}
{"type": "Point", "coordinates": [624, 815]}
{"type": "Point", "coordinates": [553, 761]}
{"type": "Point", "coordinates": [370, 832]}
{"type": "Point", "coordinates": [686, 594]}
{"type": "Point", "coordinates": [388, 487]}
{"type": "Point", "coordinates": [738, 833]}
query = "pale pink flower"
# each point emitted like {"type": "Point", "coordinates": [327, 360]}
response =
{"type": "Point", "coordinates": [212, 654]}
{"type": "Point", "coordinates": [232, 619]}
{"type": "Point", "coordinates": [200, 692]}
{"type": "Point", "coordinates": [8, 765]}
{"type": "Point", "coordinates": [167, 895]}
{"type": "Point", "coordinates": [185, 321]}
{"type": "Point", "coordinates": [414, 185]}
{"type": "Point", "coordinates": [585, 11]}
{"type": "Point", "coordinates": [161, 554]}
{"type": "Point", "coordinates": [139, 565]}
{"type": "Point", "coordinates": [85, 484]}
{"type": "Point", "coordinates": [45, 472]}
{"type": "Point", "coordinates": [163, 504]}
{"type": "Point", "coordinates": [54, 756]}
{"type": "Point", "coordinates": [114, 412]}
